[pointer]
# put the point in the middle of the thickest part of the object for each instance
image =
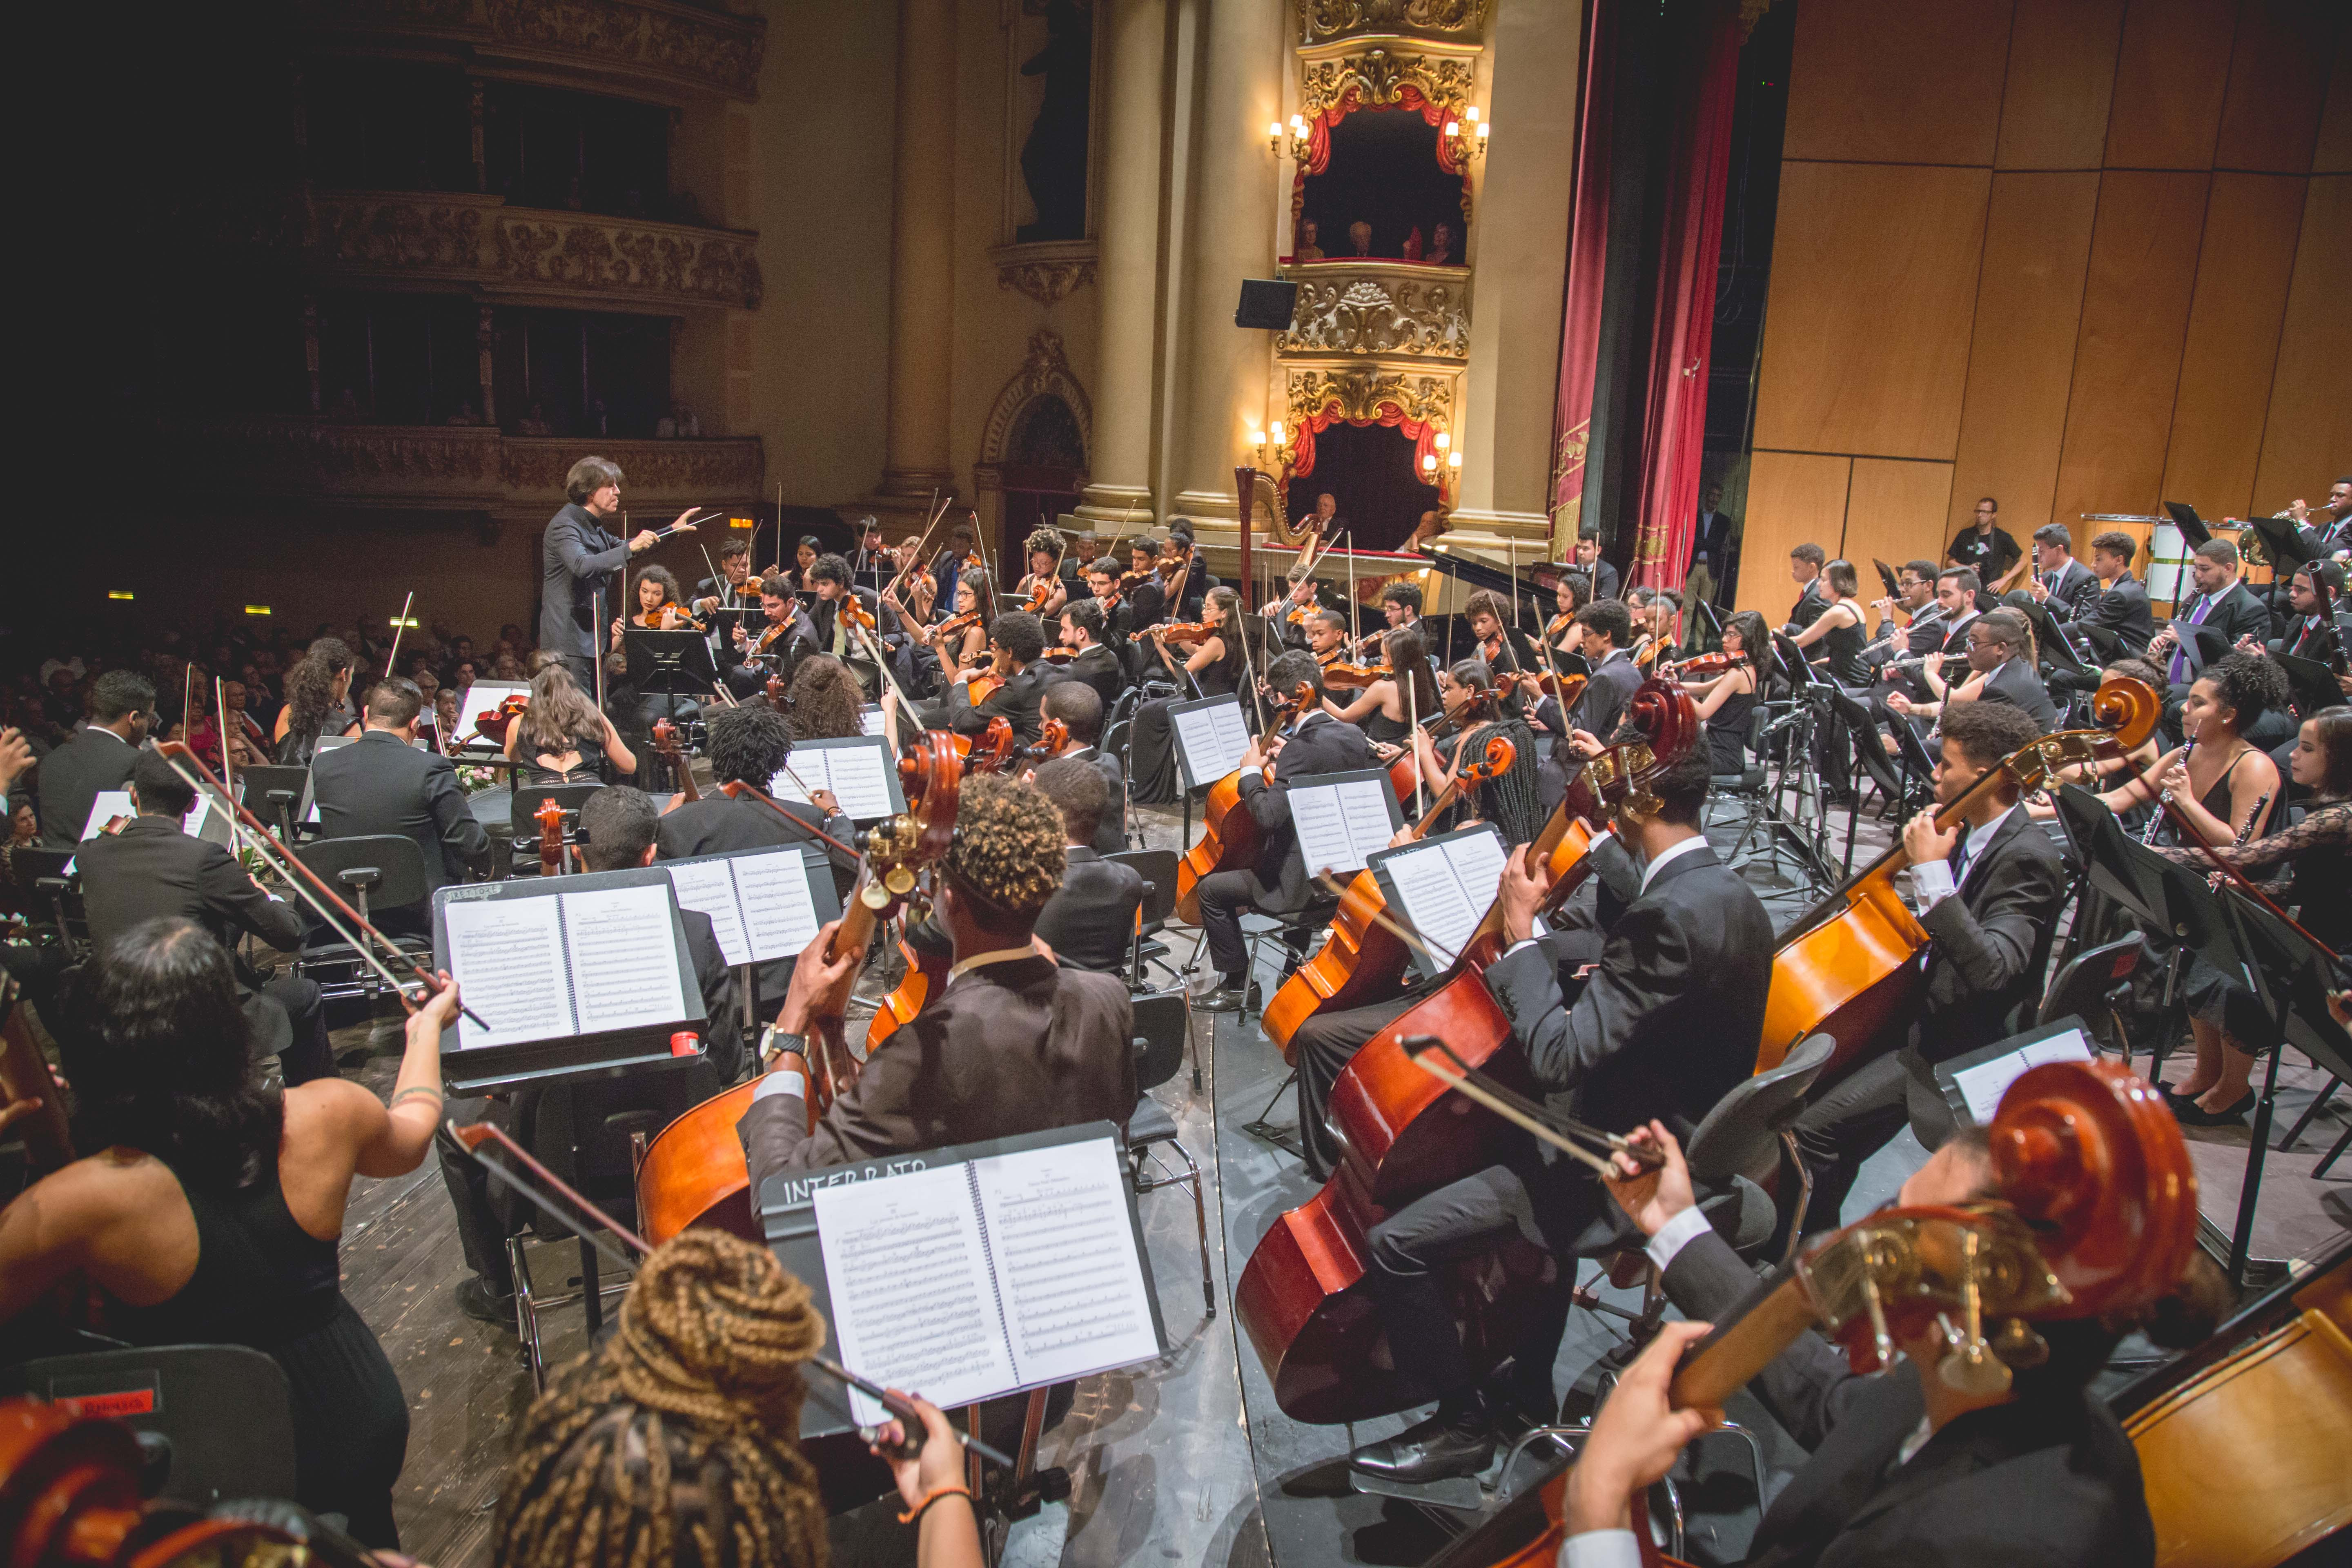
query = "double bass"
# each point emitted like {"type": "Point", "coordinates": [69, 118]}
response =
{"type": "Point", "coordinates": [694, 1171]}
{"type": "Point", "coordinates": [1400, 1134]}
{"type": "Point", "coordinates": [1847, 969]}
{"type": "Point", "coordinates": [1364, 961]}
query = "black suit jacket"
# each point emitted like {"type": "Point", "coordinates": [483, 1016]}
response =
{"type": "Point", "coordinates": [1809, 607]}
{"type": "Point", "coordinates": [2122, 609]}
{"type": "Point", "coordinates": [1603, 707]}
{"type": "Point", "coordinates": [817, 636]}
{"type": "Point", "coordinates": [1017, 700]}
{"type": "Point", "coordinates": [2015, 682]}
{"type": "Point", "coordinates": [2305, 637]}
{"type": "Point", "coordinates": [2050, 1482]}
{"type": "Point", "coordinates": [1711, 543]}
{"type": "Point", "coordinates": [1669, 1021]}
{"type": "Point", "coordinates": [379, 783]}
{"type": "Point", "coordinates": [2071, 586]}
{"type": "Point", "coordinates": [1606, 580]}
{"type": "Point", "coordinates": [72, 777]}
{"type": "Point", "coordinates": [576, 555]}
{"type": "Point", "coordinates": [1099, 668]}
{"type": "Point", "coordinates": [2235, 614]}
{"type": "Point", "coordinates": [1991, 942]}
{"type": "Point", "coordinates": [1020, 1047]}
{"type": "Point", "coordinates": [1089, 922]}
{"type": "Point", "coordinates": [722, 1031]}
{"type": "Point", "coordinates": [1110, 833]}
{"type": "Point", "coordinates": [1322, 744]}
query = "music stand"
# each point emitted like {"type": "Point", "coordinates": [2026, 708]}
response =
{"type": "Point", "coordinates": [2192, 526]}
{"type": "Point", "coordinates": [2311, 683]}
{"type": "Point", "coordinates": [669, 664]}
{"type": "Point", "coordinates": [2283, 540]}
{"type": "Point", "coordinates": [1886, 576]}
{"type": "Point", "coordinates": [2052, 642]}
{"type": "Point", "coordinates": [2106, 644]}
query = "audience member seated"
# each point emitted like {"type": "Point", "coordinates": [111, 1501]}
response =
{"type": "Point", "coordinates": [1089, 922]}
{"type": "Point", "coordinates": [100, 758]}
{"type": "Point", "coordinates": [213, 1213]}
{"type": "Point", "coordinates": [383, 783]}
{"type": "Point", "coordinates": [152, 870]}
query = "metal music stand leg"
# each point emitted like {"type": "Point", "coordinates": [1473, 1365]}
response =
{"type": "Point", "coordinates": [2242, 1237]}
{"type": "Point", "coordinates": [2318, 1103]}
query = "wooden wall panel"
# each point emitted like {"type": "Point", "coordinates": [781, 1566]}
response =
{"type": "Point", "coordinates": [2232, 350]}
{"type": "Point", "coordinates": [1874, 286]}
{"type": "Point", "coordinates": [2307, 442]}
{"type": "Point", "coordinates": [2333, 156]}
{"type": "Point", "coordinates": [2022, 361]}
{"type": "Point", "coordinates": [2278, 77]}
{"type": "Point", "coordinates": [2062, 72]}
{"type": "Point", "coordinates": [1855, 91]}
{"type": "Point", "coordinates": [2127, 352]}
{"type": "Point", "coordinates": [1793, 498]}
{"type": "Point", "coordinates": [1894, 511]}
{"type": "Point", "coordinates": [2169, 76]}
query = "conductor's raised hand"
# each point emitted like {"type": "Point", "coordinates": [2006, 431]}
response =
{"type": "Point", "coordinates": [1651, 1194]}
{"type": "Point", "coordinates": [644, 539]}
{"type": "Point", "coordinates": [681, 525]}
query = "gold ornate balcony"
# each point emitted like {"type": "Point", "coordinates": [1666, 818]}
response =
{"type": "Point", "coordinates": [516, 254]}
{"type": "Point", "coordinates": [1396, 311]}
{"type": "Point", "coordinates": [652, 41]}
{"type": "Point", "coordinates": [459, 468]}
{"type": "Point", "coordinates": [1457, 21]}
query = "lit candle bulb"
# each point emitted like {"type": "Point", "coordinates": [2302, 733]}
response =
{"type": "Point", "coordinates": [1453, 127]}
{"type": "Point", "coordinates": [1257, 437]}
{"type": "Point", "coordinates": [1454, 461]}
{"type": "Point", "coordinates": [1274, 129]}
{"type": "Point", "coordinates": [1471, 114]}
{"type": "Point", "coordinates": [1483, 128]}
{"type": "Point", "coordinates": [1277, 432]}
{"type": "Point", "coordinates": [1429, 462]}
{"type": "Point", "coordinates": [1445, 439]}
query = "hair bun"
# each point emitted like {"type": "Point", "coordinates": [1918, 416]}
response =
{"type": "Point", "coordinates": [713, 1316]}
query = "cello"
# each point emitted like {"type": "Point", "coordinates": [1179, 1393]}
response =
{"type": "Point", "coordinates": [1230, 837]}
{"type": "Point", "coordinates": [1400, 1134]}
{"type": "Point", "coordinates": [1846, 969]}
{"type": "Point", "coordinates": [694, 1171]}
{"type": "Point", "coordinates": [1364, 961]}
{"type": "Point", "coordinates": [667, 747]}
{"type": "Point", "coordinates": [2095, 1214]}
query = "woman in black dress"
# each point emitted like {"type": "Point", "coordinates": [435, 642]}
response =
{"type": "Point", "coordinates": [1387, 710]}
{"type": "Point", "coordinates": [1209, 667]}
{"type": "Point", "coordinates": [318, 703]}
{"type": "Point", "coordinates": [214, 1210]}
{"type": "Point", "coordinates": [561, 739]}
{"type": "Point", "coordinates": [1724, 701]}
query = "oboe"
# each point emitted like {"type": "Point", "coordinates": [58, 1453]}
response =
{"type": "Point", "coordinates": [2164, 801]}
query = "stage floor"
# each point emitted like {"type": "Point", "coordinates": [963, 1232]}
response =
{"type": "Point", "coordinates": [1186, 1460]}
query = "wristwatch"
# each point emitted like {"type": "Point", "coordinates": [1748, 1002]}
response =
{"type": "Point", "coordinates": [774, 1041]}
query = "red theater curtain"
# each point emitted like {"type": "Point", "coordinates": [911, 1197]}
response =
{"type": "Point", "coordinates": [1674, 425]}
{"type": "Point", "coordinates": [1587, 264]}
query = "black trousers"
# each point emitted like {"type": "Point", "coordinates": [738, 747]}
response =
{"type": "Point", "coordinates": [1225, 896]}
{"type": "Point", "coordinates": [1861, 1115]}
{"type": "Point", "coordinates": [1320, 1050]}
{"type": "Point", "coordinates": [309, 1055]}
{"type": "Point", "coordinates": [484, 1214]}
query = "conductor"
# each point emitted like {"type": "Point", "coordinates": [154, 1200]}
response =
{"type": "Point", "coordinates": [576, 554]}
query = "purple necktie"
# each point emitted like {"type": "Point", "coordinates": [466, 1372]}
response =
{"type": "Point", "coordinates": [2179, 673]}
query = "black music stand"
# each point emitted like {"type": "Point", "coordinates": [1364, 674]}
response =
{"type": "Point", "coordinates": [2311, 683]}
{"type": "Point", "coordinates": [1886, 576]}
{"type": "Point", "coordinates": [2192, 526]}
{"type": "Point", "coordinates": [2051, 642]}
{"type": "Point", "coordinates": [670, 665]}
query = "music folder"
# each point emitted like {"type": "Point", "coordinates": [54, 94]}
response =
{"type": "Point", "coordinates": [967, 1273]}
{"type": "Point", "coordinates": [1211, 736]}
{"type": "Point", "coordinates": [856, 768]}
{"type": "Point", "coordinates": [575, 976]}
{"type": "Point", "coordinates": [1972, 1084]}
{"type": "Point", "coordinates": [2311, 684]}
{"type": "Point", "coordinates": [1344, 819]}
{"type": "Point", "coordinates": [763, 904]}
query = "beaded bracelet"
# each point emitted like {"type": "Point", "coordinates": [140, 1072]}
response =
{"type": "Point", "coordinates": [935, 1494]}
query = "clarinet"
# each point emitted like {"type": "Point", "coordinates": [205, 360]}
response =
{"type": "Point", "coordinates": [2164, 801]}
{"type": "Point", "coordinates": [2213, 880]}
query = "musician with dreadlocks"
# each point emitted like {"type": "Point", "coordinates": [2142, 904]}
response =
{"type": "Point", "coordinates": [674, 1445]}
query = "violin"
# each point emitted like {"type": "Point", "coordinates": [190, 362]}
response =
{"type": "Point", "coordinates": [1364, 961]}
{"type": "Point", "coordinates": [1399, 1133]}
{"type": "Point", "coordinates": [1053, 739]}
{"type": "Point", "coordinates": [492, 724]}
{"type": "Point", "coordinates": [667, 747]}
{"type": "Point", "coordinates": [1706, 665]}
{"type": "Point", "coordinates": [549, 817]}
{"type": "Point", "coordinates": [955, 625]}
{"type": "Point", "coordinates": [669, 617]}
{"type": "Point", "coordinates": [694, 1171]}
{"type": "Point", "coordinates": [984, 683]}
{"type": "Point", "coordinates": [1040, 592]}
{"type": "Point", "coordinates": [1846, 968]}
{"type": "Point", "coordinates": [855, 616]}
{"type": "Point", "coordinates": [1184, 633]}
{"type": "Point", "coordinates": [1345, 677]}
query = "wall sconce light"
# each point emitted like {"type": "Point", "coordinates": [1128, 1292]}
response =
{"type": "Point", "coordinates": [1269, 449]}
{"type": "Point", "coordinates": [1468, 134]}
{"type": "Point", "coordinates": [1296, 148]}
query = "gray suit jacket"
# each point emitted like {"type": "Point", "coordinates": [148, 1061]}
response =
{"type": "Point", "coordinates": [71, 778]}
{"type": "Point", "coordinates": [380, 784]}
{"type": "Point", "coordinates": [575, 554]}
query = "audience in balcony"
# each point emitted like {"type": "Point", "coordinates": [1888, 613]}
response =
{"type": "Point", "coordinates": [534, 422]}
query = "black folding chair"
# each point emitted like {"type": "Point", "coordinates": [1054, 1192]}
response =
{"type": "Point", "coordinates": [374, 873]}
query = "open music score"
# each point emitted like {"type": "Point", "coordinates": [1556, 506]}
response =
{"type": "Point", "coordinates": [483, 695]}
{"type": "Point", "coordinates": [1211, 736]}
{"type": "Point", "coordinates": [576, 962]}
{"type": "Point", "coordinates": [763, 904]}
{"type": "Point", "coordinates": [978, 1278]}
{"type": "Point", "coordinates": [201, 821]}
{"type": "Point", "coordinates": [1973, 1084]}
{"type": "Point", "coordinates": [857, 769]}
{"type": "Point", "coordinates": [1344, 819]}
{"type": "Point", "coordinates": [1443, 885]}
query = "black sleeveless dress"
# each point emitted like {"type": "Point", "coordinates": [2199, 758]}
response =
{"type": "Point", "coordinates": [1727, 733]}
{"type": "Point", "coordinates": [262, 1280]}
{"type": "Point", "coordinates": [1845, 661]}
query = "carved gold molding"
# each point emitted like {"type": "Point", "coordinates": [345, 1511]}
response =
{"type": "Point", "coordinates": [464, 465]}
{"type": "Point", "coordinates": [482, 242]}
{"type": "Point", "coordinates": [660, 40]}
{"type": "Point", "coordinates": [1048, 273]}
{"type": "Point", "coordinates": [1321, 21]}
{"type": "Point", "coordinates": [1359, 391]}
{"type": "Point", "coordinates": [1379, 76]}
{"type": "Point", "coordinates": [1047, 369]}
{"type": "Point", "coordinates": [1355, 307]}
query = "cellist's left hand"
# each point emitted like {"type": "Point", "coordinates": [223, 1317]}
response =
{"type": "Point", "coordinates": [818, 974]}
{"type": "Point", "coordinates": [1520, 894]}
{"type": "Point", "coordinates": [1923, 841]}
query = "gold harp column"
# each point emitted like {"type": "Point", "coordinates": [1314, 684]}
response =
{"type": "Point", "coordinates": [922, 238]}
{"type": "Point", "coordinates": [1225, 387]}
{"type": "Point", "coordinates": [1135, 33]}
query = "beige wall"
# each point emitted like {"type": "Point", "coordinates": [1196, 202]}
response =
{"type": "Point", "coordinates": [2103, 266]}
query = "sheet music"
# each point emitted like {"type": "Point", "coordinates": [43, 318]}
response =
{"type": "Point", "coordinates": [507, 956]}
{"type": "Point", "coordinates": [1213, 738]}
{"type": "Point", "coordinates": [869, 719]}
{"type": "Point", "coordinates": [1984, 1084]}
{"type": "Point", "coordinates": [480, 697]}
{"type": "Point", "coordinates": [1066, 1266]}
{"type": "Point", "coordinates": [860, 777]}
{"type": "Point", "coordinates": [913, 1305]}
{"type": "Point", "coordinates": [707, 886]}
{"type": "Point", "coordinates": [623, 961]}
{"type": "Point", "coordinates": [1444, 888]}
{"type": "Point", "coordinates": [779, 915]}
{"type": "Point", "coordinates": [1341, 826]}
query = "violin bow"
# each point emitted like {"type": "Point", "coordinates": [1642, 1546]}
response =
{"type": "Point", "coordinates": [739, 788]}
{"type": "Point", "coordinates": [317, 894]}
{"type": "Point", "coordinates": [397, 627]}
{"type": "Point", "coordinates": [228, 757]}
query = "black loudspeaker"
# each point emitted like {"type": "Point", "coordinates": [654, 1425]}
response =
{"type": "Point", "coordinates": [1266, 302]}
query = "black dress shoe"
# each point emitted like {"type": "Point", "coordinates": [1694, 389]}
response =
{"type": "Point", "coordinates": [2188, 1113]}
{"type": "Point", "coordinates": [1228, 998]}
{"type": "Point", "coordinates": [484, 1305]}
{"type": "Point", "coordinates": [1439, 1449]}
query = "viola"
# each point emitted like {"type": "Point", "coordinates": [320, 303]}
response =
{"type": "Point", "coordinates": [1399, 1133]}
{"type": "Point", "coordinates": [1053, 739]}
{"type": "Point", "coordinates": [667, 747]}
{"type": "Point", "coordinates": [694, 1171]}
{"type": "Point", "coordinates": [549, 817]}
{"type": "Point", "coordinates": [1364, 961]}
{"type": "Point", "coordinates": [1846, 969]}
{"type": "Point", "coordinates": [855, 616]}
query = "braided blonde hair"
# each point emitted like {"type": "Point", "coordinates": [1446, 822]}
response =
{"type": "Point", "coordinates": [677, 1442]}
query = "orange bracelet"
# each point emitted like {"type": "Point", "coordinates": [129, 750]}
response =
{"type": "Point", "coordinates": [929, 1497]}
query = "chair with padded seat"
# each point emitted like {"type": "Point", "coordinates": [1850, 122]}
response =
{"type": "Point", "coordinates": [1157, 869]}
{"type": "Point", "coordinates": [216, 1423]}
{"type": "Point", "coordinates": [1162, 1028]}
{"type": "Point", "coordinates": [374, 873]}
{"type": "Point", "coordinates": [276, 794]}
{"type": "Point", "coordinates": [523, 816]}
